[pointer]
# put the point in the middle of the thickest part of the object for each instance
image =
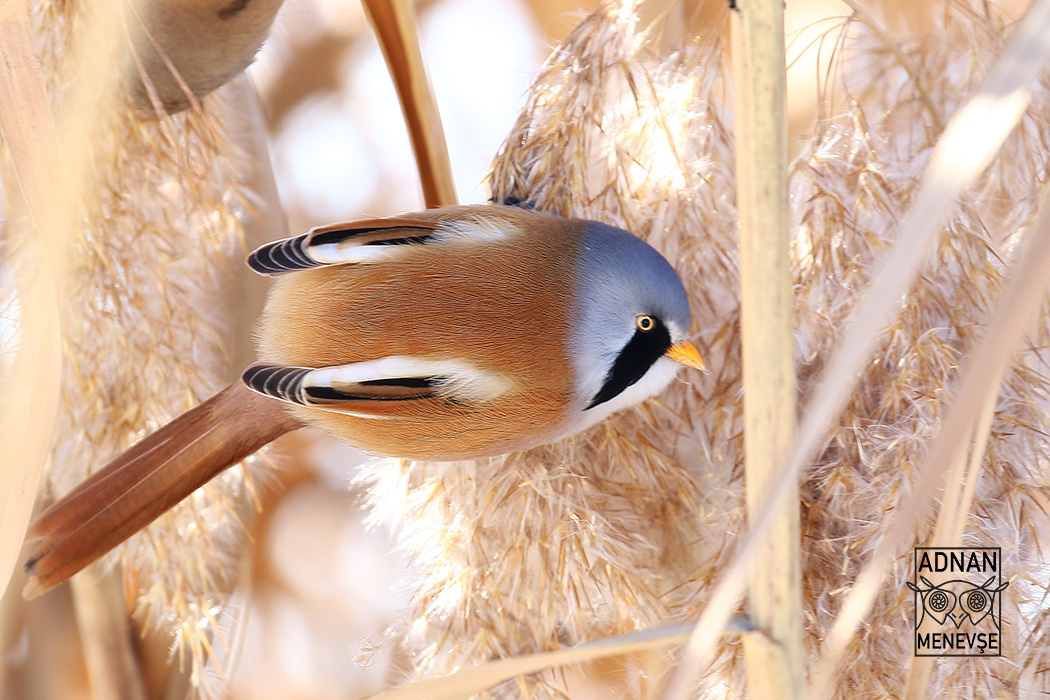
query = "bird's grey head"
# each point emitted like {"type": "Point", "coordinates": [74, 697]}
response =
{"type": "Point", "coordinates": [632, 308]}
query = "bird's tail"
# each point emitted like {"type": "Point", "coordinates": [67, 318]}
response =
{"type": "Point", "coordinates": [148, 479]}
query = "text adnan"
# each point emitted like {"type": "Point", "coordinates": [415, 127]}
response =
{"type": "Point", "coordinates": [962, 561]}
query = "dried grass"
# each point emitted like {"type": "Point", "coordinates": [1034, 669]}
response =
{"type": "Point", "coordinates": [854, 183]}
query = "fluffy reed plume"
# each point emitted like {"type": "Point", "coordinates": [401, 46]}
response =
{"type": "Point", "coordinates": [850, 187]}
{"type": "Point", "coordinates": [621, 527]}
{"type": "Point", "coordinates": [143, 326]}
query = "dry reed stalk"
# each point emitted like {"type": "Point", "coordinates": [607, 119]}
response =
{"type": "Point", "coordinates": [472, 681]}
{"type": "Point", "coordinates": [394, 24]}
{"type": "Point", "coordinates": [105, 636]}
{"type": "Point", "coordinates": [158, 236]}
{"type": "Point", "coordinates": [621, 527]}
{"type": "Point", "coordinates": [51, 166]}
{"type": "Point", "coordinates": [775, 665]}
{"type": "Point", "coordinates": [28, 406]}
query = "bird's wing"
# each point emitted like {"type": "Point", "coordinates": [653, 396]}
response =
{"type": "Point", "coordinates": [339, 244]}
{"type": "Point", "coordinates": [375, 239]}
{"type": "Point", "coordinates": [376, 388]}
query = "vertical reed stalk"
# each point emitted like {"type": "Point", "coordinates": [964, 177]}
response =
{"type": "Point", "coordinates": [105, 634]}
{"type": "Point", "coordinates": [30, 394]}
{"type": "Point", "coordinates": [774, 659]}
{"type": "Point", "coordinates": [51, 165]}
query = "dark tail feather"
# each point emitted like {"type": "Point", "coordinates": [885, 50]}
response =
{"type": "Point", "coordinates": [148, 479]}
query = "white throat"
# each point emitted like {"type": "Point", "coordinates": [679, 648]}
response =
{"type": "Point", "coordinates": [659, 376]}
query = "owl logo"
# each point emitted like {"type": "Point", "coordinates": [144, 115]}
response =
{"type": "Point", "coordinates": [974, 603]}
{"type": "Point", "coordinates": [961, 614]}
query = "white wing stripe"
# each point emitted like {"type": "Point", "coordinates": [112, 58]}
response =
{"type": "Point", "coordinates": [340, 253]}
{"type": "Point", "coordinates": [464, 380]}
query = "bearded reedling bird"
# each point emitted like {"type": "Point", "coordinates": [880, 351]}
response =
{"type": "Point", "coordinates": [454, 333]}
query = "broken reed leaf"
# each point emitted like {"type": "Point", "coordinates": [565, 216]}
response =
{"type": "Point", "coordinates": [466, 683]}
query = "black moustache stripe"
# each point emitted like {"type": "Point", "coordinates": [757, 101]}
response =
{"type": "Point", "coordinates": [640, 353]}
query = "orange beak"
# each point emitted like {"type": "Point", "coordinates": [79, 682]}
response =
{"type": "Point", "coordinates": [687, 354]}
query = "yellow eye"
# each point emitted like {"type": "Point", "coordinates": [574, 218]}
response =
{"type": "Point", "coordinates": [645, 323]}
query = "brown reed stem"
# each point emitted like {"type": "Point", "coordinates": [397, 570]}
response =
{"type": "Point", "coordinates": [394, 24]}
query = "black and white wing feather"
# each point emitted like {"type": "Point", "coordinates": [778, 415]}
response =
{"type": "Point", "coordinates": [367, 388]}
{"type": "Point", "coordinates": [339, 244]}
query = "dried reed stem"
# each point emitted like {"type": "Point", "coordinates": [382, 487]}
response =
{"type": "Point", "coordinates": [395, 27]}
{"type": "Point", "coordinates": [29, 394]}
{"type": "Point", "coordinates": [52, 193]}
{"type": "Point", "coordinates": [775, 665]}
{"type": "Point", "coordinates": [466, 683]}
{"type": "Point", "coordinates": [50, 165]}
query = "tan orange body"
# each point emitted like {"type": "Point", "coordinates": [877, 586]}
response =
{"type": "Point", "coordinates": [468, 304]}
